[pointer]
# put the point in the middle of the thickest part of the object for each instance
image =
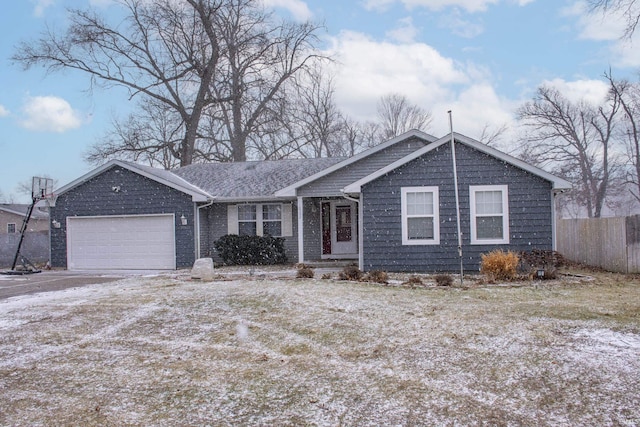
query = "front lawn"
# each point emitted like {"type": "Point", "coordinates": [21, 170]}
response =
{"type": "Point", "coordinates": [258, 350]}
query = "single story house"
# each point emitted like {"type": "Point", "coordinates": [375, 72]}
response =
{"type": "Point", "coordinates": [35, 245]}
{"type": "Point", "coordinates": [391, 207]}
{"type": "Point", "coordinates": [12, 216]}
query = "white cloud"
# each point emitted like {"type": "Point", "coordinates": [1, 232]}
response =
{"type": "Point", "coordinates": [468, 5]}
{"type": "Point", "coordinates": [41, 6]}
{"type": "Point", "coordinates": [49, 114]}
{"type": "Point", "coordinates": [591, 91]}
{"type": "Point", "coordinates": [459, 26]}
{"type": "Point", "coordinates": [298, 9]}
{"type": "Point", "coordinates": [406, 32]}
{"type": "Point", "coordinates": [3, 111]}
{"type": "Point", "coordinates": [101, 3]}
{"type": "Point", "coordinates": [608, 27]}
{"type": "Point", "coordinates": [368, 69]}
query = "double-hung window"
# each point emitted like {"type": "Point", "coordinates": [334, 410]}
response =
{"type": "Point", "coordinates": [420, 216]}
{"type": "Point", "coordinates": [489, 214]}
{"type": "Point", "coordinates": [261, 219]}
{"type": "Point", "coordinates": [272, 220]}
{"type": "Point", "coordinates": [247, 220]}
{"type": "Point", "coordinates": [11, 228]}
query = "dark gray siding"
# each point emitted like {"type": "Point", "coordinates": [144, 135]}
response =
{"type": "Point", "coordinates": [138, 195]}
{"type": "Point", "coordinates": [530, 211]}
{"type": "Point", "coordinates": [217, 226]}
{"type": "Point", "coordinates": [332, 184]}
{"type": "Point", "coordinates": [312, 230]}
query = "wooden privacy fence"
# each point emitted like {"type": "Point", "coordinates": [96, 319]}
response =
{"type": "Point", "coordinates": [609, 243]}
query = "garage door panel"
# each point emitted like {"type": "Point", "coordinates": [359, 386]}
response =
{"type": "Point", "coordinates": [126, 242]}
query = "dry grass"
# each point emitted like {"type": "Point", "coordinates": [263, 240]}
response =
{"type": "Point", "coordinates": [167, 351]}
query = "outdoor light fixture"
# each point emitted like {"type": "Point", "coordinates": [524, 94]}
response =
{"type": "Point", "coordinates": [183, 220]}
{"type": "Point", "coordinates": [540, 273]}
{"type": "Point", "coordinates": [55, 224]}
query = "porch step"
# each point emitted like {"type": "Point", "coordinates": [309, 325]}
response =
{"type": "Point", "coordinates": [341, 263]}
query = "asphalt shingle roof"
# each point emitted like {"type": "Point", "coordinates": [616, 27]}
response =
{"type": "Point", "coordinates": [252, 179]}
{"type": "Point", "coordinates": [21, 209]}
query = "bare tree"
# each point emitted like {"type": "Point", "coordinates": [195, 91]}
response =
{"type": "Point", "coordinates": [397, 115]}
{"type": "Point", "coordinates": [628, 95]}
{"type": "Point", "coordinates": [630, 10]}
{"type": "Point", "coordinates": [576, 140]}
{"type": "Point", "coordinates": [260, 57]}
{"type": "Point", "coordinates": [225, 59]}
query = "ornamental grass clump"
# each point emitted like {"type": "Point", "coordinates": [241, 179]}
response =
{"type": "Point", "coordinates": [499, 265]}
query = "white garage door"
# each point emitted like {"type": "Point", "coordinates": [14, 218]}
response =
{"type": "Point", "coordinates": [121, 242]}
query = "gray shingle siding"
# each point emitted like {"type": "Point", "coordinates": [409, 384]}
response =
{"type": "Point", "coordinates": [137, 196]}
{"type": "Point", "coordinates": [332, 184]}
{"type": "Point", "coordinates": [530, 222]}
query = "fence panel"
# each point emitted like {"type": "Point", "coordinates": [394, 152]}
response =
{"type": "Point", "coordinates": [599, 242]}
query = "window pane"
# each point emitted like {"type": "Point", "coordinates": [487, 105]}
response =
{"type": "Point", "coordinates": [247, 228]}
{"type": "Point", "coordinates": [271, 212]}
{"type": "Point", "coordinates": [11, 228]}
{"type": "Point", "coordinates": [272, 228]}
{"type": "Point", "coordinates": [247, 212]}
{"type": "Point", "coordinates": [488, 202]}
{"type": "Point", "coordinates": [420, 228]}
{"type": "Point", "coordinates": [420, 203]}
{"type": "Point", "coordinates": [489, 227]}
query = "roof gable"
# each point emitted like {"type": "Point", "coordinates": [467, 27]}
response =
{"type": "Point", "coordinates": [291, 190]}
{"type": "Point", "coordinates": [159, 175]}
{"type": "Point", "coordinates": [558, 183]}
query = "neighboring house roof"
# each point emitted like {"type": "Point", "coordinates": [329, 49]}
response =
{"type": "Point", "coordinates": [558, 184]}
{"type": "Point", "coordinates": [290, 190]}
{"type": "Point", "coordinates": [252, 180]}
{"type": "Point", "coordinates": [159, 175]}
{"type": "Point", "coordinates": [21, 210]}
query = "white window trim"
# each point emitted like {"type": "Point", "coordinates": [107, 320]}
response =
{"type": "Point", "coordinates": [286, 222]}
{"type": "Point", "coordinates": [473, 189]}
{"type": "Point", "coordinates": [436, 216]}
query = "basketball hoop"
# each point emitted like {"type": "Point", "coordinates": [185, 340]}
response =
{"type": "Point", "coordinates": [41, 188]}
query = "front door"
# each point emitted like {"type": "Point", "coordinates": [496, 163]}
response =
{"type": "Point", "coordinates": [340, 229]}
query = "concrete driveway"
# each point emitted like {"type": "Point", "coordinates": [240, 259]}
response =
{"type": "Point", "coordinates": [46, 281]}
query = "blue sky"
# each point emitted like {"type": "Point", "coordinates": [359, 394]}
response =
{"type": "Point", "coordinates": [479, 58]}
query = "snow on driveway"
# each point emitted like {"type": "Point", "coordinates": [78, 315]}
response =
{"type": "Point", "coordinates": [169, 351]}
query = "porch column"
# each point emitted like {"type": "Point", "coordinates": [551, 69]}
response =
{"type": "Point", "coordinates": [300, 230]}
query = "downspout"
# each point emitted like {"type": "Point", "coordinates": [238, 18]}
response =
{"type": "Point", "coordinates": [360, 229]}
{"type": "Point", "coordinates": [300, 217]}
{"type": "Point", "coordinates": [206, 205]}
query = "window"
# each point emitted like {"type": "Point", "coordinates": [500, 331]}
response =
{"type": "Point", "coordinates": [420, 216]}
{"type": "Point", "coordinates": [247, 220]}
{"type": "Point", "coordinates": [258, 219]}
{"type": "Point", "coordinates": [271, 220]}
{"type": "Point", "coordinates": [489, 214]}
{"type": "Point", "coordinates": [11, 228]}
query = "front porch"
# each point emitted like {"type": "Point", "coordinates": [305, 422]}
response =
{"type": "Point", "coordinates": [328, 230]}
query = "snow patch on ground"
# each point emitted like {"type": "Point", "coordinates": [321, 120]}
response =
{"type": "Point", "coordinates": [265, 350]}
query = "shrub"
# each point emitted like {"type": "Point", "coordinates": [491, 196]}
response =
{"type": "Point", "coordinates": [326, 276]}
{"type": "Point", "coordinates": [499, 265]}
{"type": "Point", "coordinates": [305, 272]}
{"type": "Point", "coordinates": [413, 281]}
{"type": "Point", "coordinates": [251, 250]}
{"type": "Point", "coordinates": [350, 272]}
{"type": "Point", "coordinates": [443, 279]}
{"type": "Point", "coordinates": [377, 276]}
{"type": "Point", "coordinates": [540, 259]}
